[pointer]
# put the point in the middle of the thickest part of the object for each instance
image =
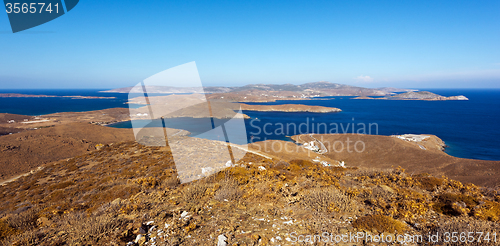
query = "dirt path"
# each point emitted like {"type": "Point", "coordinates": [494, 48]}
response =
{"type": "Point", "coordinates": [251, 151]}
{"type": "Point", "coordinates": [4, 182]}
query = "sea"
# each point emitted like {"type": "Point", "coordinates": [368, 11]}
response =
{"type": "Point", "coordinates": [470, 129]}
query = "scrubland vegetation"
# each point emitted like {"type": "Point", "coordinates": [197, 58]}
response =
{"type": "Point", "coordinates": [110, 196]}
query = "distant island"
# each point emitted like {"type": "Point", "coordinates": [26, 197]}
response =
{"type": "Point", "coordinates": [35, 96]}
{"type": "Point", "coordinates": [273, 92]}
{"type": "Point", "coordinates": [289, 108]}
{"type": "Point", "coordinates": [418, 95]}
{"type": "Point", "coordinates": [268, 92]}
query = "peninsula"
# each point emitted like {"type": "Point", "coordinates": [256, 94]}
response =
{"type": "Point", "coordinates": [418, 95]}
{"type": "Point", "coordinates": [197, 106]}
{"type": "Point", "coordinates": [289, 108]}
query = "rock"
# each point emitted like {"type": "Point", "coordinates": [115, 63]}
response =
{"type": "Point", "coordinates": [141, 230]}
{"type": "Point", "coordinates": [138, 238]}
{"type": "Point", "coordinates": [261, 168]}
{"type": "Point", "coordinates": [221, 240]}
{"type": "Point", "coordinates": [116, 202]}
{"type": "Point", "coordinates": [43, 221]}
{"type": "Point", "coordinates": [387, 188]}
{"type": "Point", "coordinates": [184, 214]}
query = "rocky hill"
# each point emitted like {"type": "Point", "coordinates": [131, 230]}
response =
{"type": "Point", "coordinates": [126, 193]}
{"type": "Point", "coordinates": [425, 95]}
{"type": "Point", "coordinates": [418, 95]}
{"type": "Point", "coordinates": [314, 88]}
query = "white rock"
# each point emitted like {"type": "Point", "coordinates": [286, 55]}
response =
{"type": "Point", "coordinates": [138, 238]}
{"type": "Point", "coordinates": [342, 164]}
{"type": "Point", "coordinates": [206, 170]}
{"type": "Point", "coordinates": [221, 240]}
{"type": "Point", "coordinates": [288, 222]}
{"type": "Point", "coordinates": [184, 214]}
{"type": "Point", "coordinates": [261, 168]}
{"type": "Point", "coordinates": [149, 222]}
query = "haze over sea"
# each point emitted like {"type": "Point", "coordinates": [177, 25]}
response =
{"type": "Point", "coordinates": [469, 128]}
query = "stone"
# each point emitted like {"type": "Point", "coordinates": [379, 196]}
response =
{"type": "Point", "coordinates": [387, 188]}
{"type": "Point", "coordinates": [141, 230]}
{"type": "Point", "coordinates": [116, 202]}
{"type": "Point", "coordinates": [184, 214]}
{"type": "Point", "coordinates": [43, 221]}
{"type": "Point", "coordinates": [138, 238]}
{"type": "Point", "coordinates": [221, 240]}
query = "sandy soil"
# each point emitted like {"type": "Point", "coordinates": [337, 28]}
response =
{"type": "Point", "coordinates": [22, 152]}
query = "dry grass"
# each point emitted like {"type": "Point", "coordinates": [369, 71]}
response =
{"type": "Point", "coordinates": [28, 237]}
{"type": "Point", "coordinates": [429, 183]}
{"type": "Point", "coordinates": [380, 223]}
{"type": "Point", "coordinates": [89, 230]}
{"type": "Point", "coordinates": [6, 230]}
{"type": "Point", "coordinates": [455, 204]}
{"type": "Point", "coordinates": [24, 220]}
{"type": "Point", "coordinates": [330, 199]}
{"type": "Point", "coordinates": [194, 192]}
{"type": "Point", "coordinates": [228, 191]}
{"type": "Point", "coordinates": [461, 228]}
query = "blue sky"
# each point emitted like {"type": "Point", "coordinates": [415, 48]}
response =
{"type": "Point", "coordinates": [109, 44]}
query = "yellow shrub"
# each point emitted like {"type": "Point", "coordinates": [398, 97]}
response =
{"type": "Point", "coordinates": [488, 211]}
{"type": "Point", "coordinates": [380, 223]}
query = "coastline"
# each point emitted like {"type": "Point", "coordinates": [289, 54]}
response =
{"type": "Point", "coordinates": [461, 148]}
{"type": "Point", "coordinates": [17, 95]}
